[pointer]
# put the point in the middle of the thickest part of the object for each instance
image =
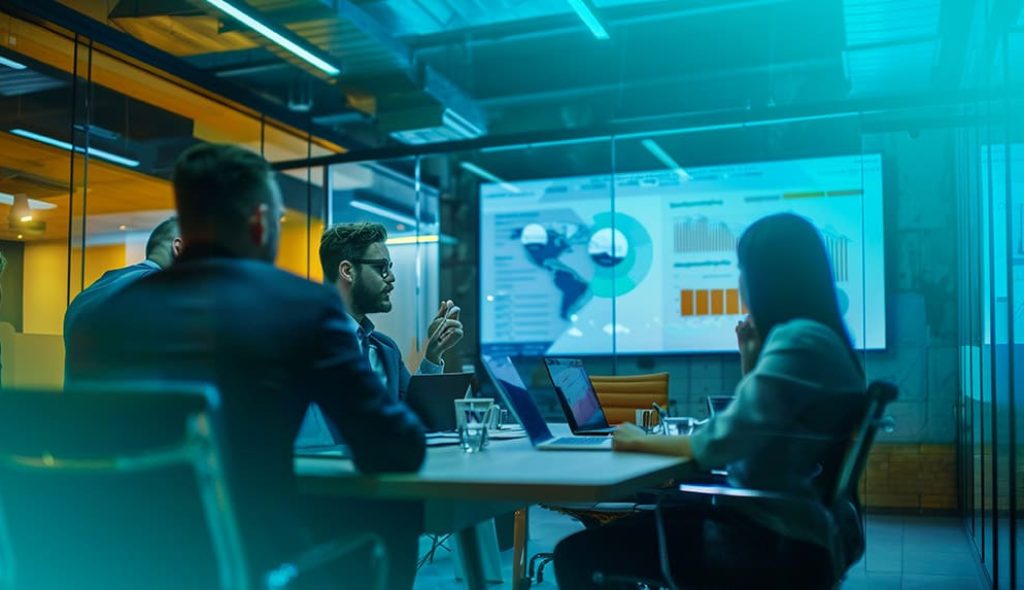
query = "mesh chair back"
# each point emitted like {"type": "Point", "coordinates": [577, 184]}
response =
{"type": "Point", "coordinates": [114, 487]}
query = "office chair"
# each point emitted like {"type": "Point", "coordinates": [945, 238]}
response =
{"type": "Point", "coordinates": [837, 507]}
{"type": "Point", "coordinates": [123, 486]}
{"type": "Point", "coordinates": [622, 395]}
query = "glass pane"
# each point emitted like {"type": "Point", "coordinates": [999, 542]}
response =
{"type": "Point", "coordinates": [37, 100]}
{"type": "Point", "coordinates": [388, 192]}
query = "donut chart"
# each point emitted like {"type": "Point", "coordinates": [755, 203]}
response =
{"type": "Point", "coordinates": [619, 268]}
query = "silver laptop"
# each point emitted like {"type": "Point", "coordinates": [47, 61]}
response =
{"type": "Point", "coordinates": [579, 400]}
{"type": "Point", "coordinates": [518, 398]}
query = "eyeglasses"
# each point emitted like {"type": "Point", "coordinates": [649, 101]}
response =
{"type": "Point", "coordinates": [382, 265]}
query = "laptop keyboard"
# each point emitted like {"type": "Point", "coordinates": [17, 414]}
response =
{"type": "Point", "coordinates": [579, 441]}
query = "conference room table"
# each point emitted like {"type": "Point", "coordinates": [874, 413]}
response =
{"type": "Point", "coordinates": [459, 490]}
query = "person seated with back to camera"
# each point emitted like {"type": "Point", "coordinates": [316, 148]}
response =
{"type": "Point", "coordinates": [794, 348]}
{"type": "Point", "coordinates": [272, 343]}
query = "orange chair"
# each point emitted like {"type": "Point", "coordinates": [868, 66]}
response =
{"type": "Point", "coordinates": [622, 395]}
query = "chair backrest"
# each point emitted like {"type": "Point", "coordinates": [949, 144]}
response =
{"type": "Point", "coordinates": [879, 395]}
{"type": "Point", "coordinates": [115, 486]}
{"type": "Point", "coordinates": [622, 395]}
{"type": "Point", "coordinates": [844, 502]}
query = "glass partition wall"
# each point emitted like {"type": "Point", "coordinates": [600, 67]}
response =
{"type": "Point", "coordinates": [87, 148]}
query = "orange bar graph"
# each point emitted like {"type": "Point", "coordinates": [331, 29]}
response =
{"type": "Point", "coordinates": [710, 302]}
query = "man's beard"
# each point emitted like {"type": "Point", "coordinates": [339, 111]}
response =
{"type": "Point", "coordinates": [368, 301]}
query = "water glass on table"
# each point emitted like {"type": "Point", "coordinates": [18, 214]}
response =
{"type": "Point", "coordinates": [472, 417]}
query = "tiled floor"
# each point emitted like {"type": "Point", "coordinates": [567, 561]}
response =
{"type": "Point", "coordinates": [904, 553]}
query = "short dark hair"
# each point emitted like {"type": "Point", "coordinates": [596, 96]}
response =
{"type": "Point", "coordinates": [216, 184]}
{"type": "Point", "coordinates": [162, 236]}
{"type": "Point", "coordinates": [347, 241]}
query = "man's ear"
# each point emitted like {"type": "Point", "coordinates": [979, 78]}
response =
{"type": "Point", "coordinates": [346, 270]}
{"type": "Point", "coordinates": [258, 225]}
{"type": "Point", "coordinates": [176, 247]}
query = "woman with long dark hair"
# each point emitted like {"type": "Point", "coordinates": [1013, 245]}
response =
{"type": "Point", "coordinates": [794, 349]}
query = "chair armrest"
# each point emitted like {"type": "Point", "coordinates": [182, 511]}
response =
{"type": "Point", "coordinates": [595, 506]}
{"type": "Point", "coordinates": [734, 492]}
{"type": "Point", "coordinates": [283, 576]}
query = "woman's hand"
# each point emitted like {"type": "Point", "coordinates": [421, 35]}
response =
{"type": "Point", "coordinates": [749, 341]}
{"type": "Point", "coordinates": [628, 437]}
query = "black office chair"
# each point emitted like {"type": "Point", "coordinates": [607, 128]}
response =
{"type": "Point", "coordinates": [837, 507]}
{"type": "Point", "coordinates": [123, 486]}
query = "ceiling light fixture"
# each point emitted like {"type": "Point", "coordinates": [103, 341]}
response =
{"type": "Point", "coordinates": [33, 204]}
{"type": "Point", "coordinates": [275, 37]}
{"type": "Point", "coordinates": [97, 153]}
{"type": "Point", "coordinates": [486, 175]}
{"type": "Point", "coordinates": [663, 157]}
{"type": "Point", "coordinates": [20, 211]}
{"type": "Point", "coordinates": [11, 63]}
{"type": "Point", "coordinates": [586, 14]}
{"type": "Point", "coordinates": [383, 212]}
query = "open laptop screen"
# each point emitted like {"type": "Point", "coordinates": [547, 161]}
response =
{"type": "Point", "coordinates": [511, 386]}
{"type": "Point", "coordinates": [576, 393]}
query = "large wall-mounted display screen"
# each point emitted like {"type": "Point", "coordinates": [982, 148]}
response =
{"type": "Point", "coordinates": [578, 266]}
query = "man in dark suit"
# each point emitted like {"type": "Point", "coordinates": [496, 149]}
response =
{"type": "Point", "coordinates": [356, 260]}
{"type": "Point", "coordinates": [162, 248]}
{"type": "Point", "coordinates": [271, 342]}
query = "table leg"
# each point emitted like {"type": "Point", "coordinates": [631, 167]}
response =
{"type": "Point", "coordinates": [472, 564]}
{"type": "Point", "coordinates": [520, 555]}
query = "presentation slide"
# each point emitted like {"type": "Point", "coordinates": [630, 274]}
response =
{"type": "Point", "coordinates": [567, 270]}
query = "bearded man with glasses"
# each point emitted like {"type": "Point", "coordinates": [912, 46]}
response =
{"type": "Point", "coordinates": [356, 260]}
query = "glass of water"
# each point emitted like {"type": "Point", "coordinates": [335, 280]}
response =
{"type": "Point", "coordinates": [472, 416]}
{"type": "Point", "coordinates": [473, 436]}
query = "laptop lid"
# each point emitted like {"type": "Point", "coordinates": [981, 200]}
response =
{"type": "Point", "coordinates": [576, 393]}
{"type": "Point", "coordinates": [517, 397]}
{"type": "Point", "coordinates": [315, 431]}
{"type": "Point", "coordinates": [431, 397]}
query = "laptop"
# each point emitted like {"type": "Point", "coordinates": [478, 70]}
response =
{"type": "Point", "coordinates": [519, 400]}
{"type": "Point", "coordinates": [579, 400]}
{"type": "Point", "coordinates": [717, 404]}
{"type": "Point", "coordinates": [431, 397]}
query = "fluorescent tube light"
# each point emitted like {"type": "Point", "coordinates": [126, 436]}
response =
{"type": "Point", "coordinates": [663, 157]}
{"type": "Point", "coordinates": [103, 155]}
{"type": "Point", "coordinates": [11, 63]}
{"type": "Point", "coordinates": [405, 240]}
{"type": "Point", "coordinates": [384, 212]}
{"type": "Point", "coordinates": [471, 167]}
{"type": "Point", "coordinates": [33, 204]}
{"type": "Point", "coordinates": [459, 124]}
{"type": "Point", "coordinates": [589, 18]}
{"type": "Point", "coordinates": [275, 37]}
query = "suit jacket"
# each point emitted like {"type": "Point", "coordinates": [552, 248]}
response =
{"type": "Point", "coordinates": [272, 343]}
{"type": "Point", "coordinates": [104, 287]}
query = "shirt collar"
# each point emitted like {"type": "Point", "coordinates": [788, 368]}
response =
{"type": "Point", "coordinates": [366, 327]}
